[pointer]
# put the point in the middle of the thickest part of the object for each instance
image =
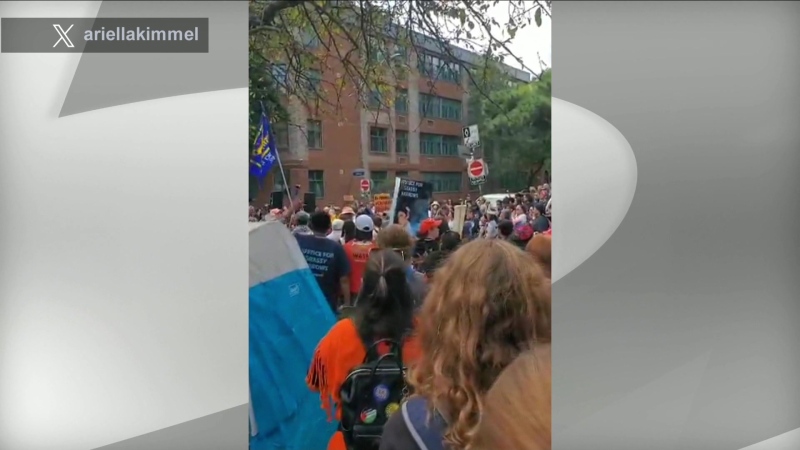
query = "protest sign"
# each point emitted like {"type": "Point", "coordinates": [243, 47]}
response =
{"type": "Point", "coordinates": [412, 198]}
{"type": "Point", "coordinates": [459, 213]}
{"type": "Point", "coordinates": [382, 202]}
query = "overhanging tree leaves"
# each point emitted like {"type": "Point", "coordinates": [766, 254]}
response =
{"type": "Point", "coordinates": [515, 125]}
{"type": "Point", "coordinates": [367, 44]}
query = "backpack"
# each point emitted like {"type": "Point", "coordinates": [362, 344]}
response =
{"type": "Point", "coordinates": [427, 432]}
{"type": "Point", "coordinates": [370, 394]}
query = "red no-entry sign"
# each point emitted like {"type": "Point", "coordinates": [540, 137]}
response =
{"type": "Point", "coordinates": [365, 185]}
{"type": "Point", "coordinates": [476, 168]}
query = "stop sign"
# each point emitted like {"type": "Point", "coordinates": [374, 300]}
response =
{"type": "Point", "coordinates": [476, 168]}
{"type": "Point", "coordinates": [365, 185]}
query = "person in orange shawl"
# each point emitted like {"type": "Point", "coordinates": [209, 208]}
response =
{"type": "Point", "coordinates": [384, 310]}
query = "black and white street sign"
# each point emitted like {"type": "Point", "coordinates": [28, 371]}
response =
{"type": "Point", "coordinates": [472, 138]}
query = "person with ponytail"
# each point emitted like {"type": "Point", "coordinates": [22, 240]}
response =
{"type": "Point", "coordinates": [384, 309]}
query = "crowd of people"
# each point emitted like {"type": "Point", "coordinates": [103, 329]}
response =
{"type": "Point", "coordinates": [443, 335]}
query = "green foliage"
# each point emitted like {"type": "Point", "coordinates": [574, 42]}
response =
{"type": "Point", "coordinates": [368, 44]}
{"type": "Point", "coordinates": [515, 127]}
{"type": "Point", "coordinates": [263, 91]}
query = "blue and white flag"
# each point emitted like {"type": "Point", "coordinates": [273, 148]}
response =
{"type": "Point", "coordinates": [264, 154]}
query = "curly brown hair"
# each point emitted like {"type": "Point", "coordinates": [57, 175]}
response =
{"type": "Point", "coordinates": [517, 413]}
{"type": "Point", "coordinates": [487, 304]}
{"type": "Point", "coordinates": [540, 247]}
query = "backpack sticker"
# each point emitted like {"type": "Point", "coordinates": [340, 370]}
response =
{"type": "Point", "coordinates": [368, 416]}
{"type": "Point", "coordinates": [381, 393]}
{"type": "Point", "coordinates": [391, 408]}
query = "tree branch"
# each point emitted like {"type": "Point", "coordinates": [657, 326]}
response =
{"type": "Point", "coordinates": [273, 7]}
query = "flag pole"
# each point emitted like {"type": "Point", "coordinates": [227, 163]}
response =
{"type": "Point", "coordinates": [278, 157]}
{"type": "Point", "coordinates": [283, 175]}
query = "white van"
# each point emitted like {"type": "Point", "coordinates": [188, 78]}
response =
{"type": "Point", "coordinates": [493, 198]}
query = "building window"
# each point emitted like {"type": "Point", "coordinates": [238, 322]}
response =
{"type": "Point", "coordinates": [316, 183]}
{"type": "Point", "coordinates": [438, 69]}
{"type": "Point", "coordinates": [450, 145]}
{"type": "Point", "coordinates": [401, 174]}
{"type": "Point", "coordinates": [278, 182]}
{"type": "Point", "coordinates": [450, 109]}
{"type": "Point", "coordinates": [443, 181]}
{"type": "Point", "coordinates": [428, 105]}
{"type": "Point", "coordinates": [376, 50]}
{"type": "Point", "coordinates": [378, 140]}
{"type": "Point", "coordinates": [310, 39]}
{"type": "Point", "coordinates": [438, 145]}
{"type": "Point", "coordinates": [433, 107]}
{"type": "Point", "coordinates": [400, 51]}
{"type": "Point", "coordinates": [280, 73]}
{"type": "Point", "coordinates": [401, 103]}
{"type": "Point", "coordinates": [401, 142]}
{"type": "Point", "coordinates": [254, 187]}
{"type": "Point", "coordinates": [379, 181]}
{"type": "Point", "coordinates": [375, 99]}
{"type": "Point", "coordinates": [280, 133]}
{"type": "Point", "coordinates": [312, 81]}
{"type": "Point", "coordinates": [314, 134]}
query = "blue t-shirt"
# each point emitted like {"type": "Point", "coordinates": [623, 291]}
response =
{"type": "Point", "coordinates": [328, 263]}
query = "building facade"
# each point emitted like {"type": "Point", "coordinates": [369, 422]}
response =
{"type": "Point", "coordinates": [420, 136]}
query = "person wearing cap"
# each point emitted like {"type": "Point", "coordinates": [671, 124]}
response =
{"type": "Point", "coordinates": [347, 214]}
{"type": "Point", "coordinates": [358, 250]}
{"type": "Point", "coordinates": [336, 233]}
{"type": "Point", "coordinates": [427, 238]}
{"type": "Point", "coordinates": [301, 226]}
{"type": "Point", "coordinates": [327, 261]}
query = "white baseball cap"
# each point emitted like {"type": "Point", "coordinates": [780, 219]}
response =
{"type": "Point", "coordinates": [364, 223]}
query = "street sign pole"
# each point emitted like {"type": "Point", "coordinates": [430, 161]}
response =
{"type": "Point", "coordinates": [472, 141]}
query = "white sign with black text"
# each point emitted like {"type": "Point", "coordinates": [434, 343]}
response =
{"type": "Point", "coordinates": [472, 138]}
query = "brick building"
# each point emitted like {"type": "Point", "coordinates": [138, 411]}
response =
{"type": "Point", "coordinates": [420, 137]}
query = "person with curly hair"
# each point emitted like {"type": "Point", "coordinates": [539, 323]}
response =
{"type": "Point", "coordinates": [517, 410]}
{"type": "Point", "coordinates": [487, 304]}
{"type": "Point", "coordinates": [540, 247]}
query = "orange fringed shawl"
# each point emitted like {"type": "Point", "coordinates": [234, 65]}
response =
{"type": "Point", "coordinates": [337, 354]}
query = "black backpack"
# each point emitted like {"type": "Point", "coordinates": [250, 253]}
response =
{"type": "Point", "coordinates": [370, 394]}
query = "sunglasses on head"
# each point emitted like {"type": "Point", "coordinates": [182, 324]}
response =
{"type": "Point", "coordinates": [399, 251]}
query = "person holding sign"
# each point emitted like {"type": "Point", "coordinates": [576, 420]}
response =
{"type": "Point", "coordinates": [411, 199]}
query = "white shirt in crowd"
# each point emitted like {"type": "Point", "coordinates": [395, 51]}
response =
{"type": "Point", "coordinates": [491, 229]}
